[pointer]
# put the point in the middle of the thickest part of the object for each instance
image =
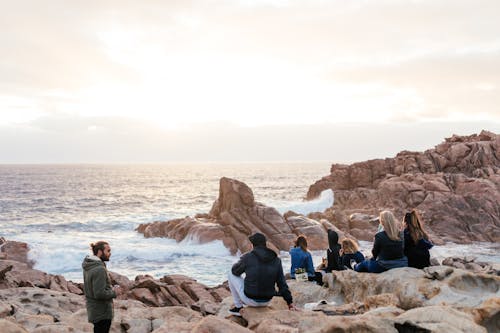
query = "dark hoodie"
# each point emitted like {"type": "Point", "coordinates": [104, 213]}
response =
{"type": "Point", "coordinates": [263, 271]}
{"type": "Point", "coordinates": [97, 288]}
{"type": "Point", "coordinates": [332, 254]}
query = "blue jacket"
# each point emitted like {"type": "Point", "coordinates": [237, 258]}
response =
{"type": "Point", "coordinates": [301, 259]}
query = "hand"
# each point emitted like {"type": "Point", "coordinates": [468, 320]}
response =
{"type": "Point", "coordinates": [118, 290]}
{"type": "Point", "coordinates": [292, 307]}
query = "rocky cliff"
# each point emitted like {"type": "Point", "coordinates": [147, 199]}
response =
{"type": "Point", "coordinates": [235, 215]}
{"type": "Point", "coordinates": [456, 186]}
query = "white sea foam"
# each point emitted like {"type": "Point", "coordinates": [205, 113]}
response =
{"type": "Point", "coordinates": [324, 201]}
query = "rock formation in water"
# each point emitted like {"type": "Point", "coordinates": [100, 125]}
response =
{"type": "Point", "coordinates": [456, 186]}
{"type": "Point", "coordinates": [234, 216]}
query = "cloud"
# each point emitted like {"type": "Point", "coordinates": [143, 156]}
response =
{"type": "Point", "coordinates": [406, 60]}
{"type": "Point", "coordinates": [121, 140]}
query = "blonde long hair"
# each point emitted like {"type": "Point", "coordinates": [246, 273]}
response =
{"type": "Point", "coordinates": [390, 224]}
{"type": "Point", "coordinates": [349, 246]}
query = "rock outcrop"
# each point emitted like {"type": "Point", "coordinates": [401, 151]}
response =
{"type": "Point", "coordinates": [16, 271]}
{"type": "Point", "coordinates": [171, 290]}
{"type": "Point", "coordinates": [436, 299]}
{"type": "Point", "coordinates": [234, 216]}
{"type": "Point", "coordinates": [456, 187]}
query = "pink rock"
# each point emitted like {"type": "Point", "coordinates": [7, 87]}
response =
{"type": "Point", "coordinates": [456, 187]}
{"type": "Point", "coordinates": [235, 216]}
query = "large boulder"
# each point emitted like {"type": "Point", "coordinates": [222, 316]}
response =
{"type": "Point", "coordinates": [456, 187]}
{"type": "Point", "coordinates": [234, 216]}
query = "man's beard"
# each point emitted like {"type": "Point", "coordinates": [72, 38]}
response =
{"type": "Point", "coordinates": [104, 257]}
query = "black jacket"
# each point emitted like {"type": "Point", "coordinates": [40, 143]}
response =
{"type": "Point", "coordinates": [334, 262]}
{"type": "Point", "coordinates": [385, 248]}
{"type": "Point", "coordinates": [263, 271]}
{"type": "Point", "coordinates": [418, 254]}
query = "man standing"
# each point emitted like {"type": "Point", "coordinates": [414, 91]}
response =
{"type": "Point", "coordinates": [97, 287]}
{"type": "Point", "coordinates": [263, 270]}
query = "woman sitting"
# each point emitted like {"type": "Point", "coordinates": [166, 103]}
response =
{"type": "Point", "coordinates": [388, 248]}
{"type": "Point", "coordinates": [350, 253]}
{"type": "Point", "coordinates": [333, 262]}
{"type": "Point", "coordinates": [301, 258]}
{"type": "Point", "coordinates": [417, 243]}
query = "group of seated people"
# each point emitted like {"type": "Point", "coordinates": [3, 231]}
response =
{"type": "Point", "coordinates": [395, 245]}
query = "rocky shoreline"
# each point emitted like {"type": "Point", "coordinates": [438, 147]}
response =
{"type": "Point", "coordinates": [455, 187]}
{"type": "Point", "coordinates": [437, 299]}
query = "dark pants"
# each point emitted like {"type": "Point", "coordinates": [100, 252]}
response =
{"type": "Point", "coordinates": [370, 266]}
{"type": "Point", "coordinates": [318, 277]}
{"type": "Point", "coordinates": [102, 326]}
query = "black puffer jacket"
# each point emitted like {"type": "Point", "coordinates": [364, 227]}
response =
{"type": "Point", "coordinates": [263, 271]}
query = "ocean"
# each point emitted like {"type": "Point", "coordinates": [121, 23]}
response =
{"type": "Point", "coordinates": [60, 209]}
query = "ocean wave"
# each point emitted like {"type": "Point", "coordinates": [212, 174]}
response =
{"type": "Point", "coordinates": [324, 201]}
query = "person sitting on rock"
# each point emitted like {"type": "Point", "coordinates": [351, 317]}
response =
{"type": "Point", "coordinates": [350, 253]}
{"type": "Point", "coordinates": [388, 248]}
{"type": "Point", "coordinates": [333, 262]}
{"type": "Point", "coordinates": [263, 271]}
{"type": "Point", "coordinates": [301, 258]}
{"type": "Point", "coordinates": [417, 243]}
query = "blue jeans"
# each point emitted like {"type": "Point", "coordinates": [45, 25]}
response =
{"type": "Point", "coordinates": [370, 266]}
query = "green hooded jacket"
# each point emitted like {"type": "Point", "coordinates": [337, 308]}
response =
{"type": "Point", "coordinates": [97, 288]}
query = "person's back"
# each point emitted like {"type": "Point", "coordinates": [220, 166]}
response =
{"type": "Point", "coordinates": [263, 270]}
{"type": "Point", "coordinates": [417, 243]}
{"type": "Point", "coordinates": [350, 252]}
{"type": "Point", "coordinates": [333, 253]}
{"type": "Point", "coordinates": [348, 257]}
{"type": "Point", "coordinates": [386, 248]}
{"type": "Point", "coordinates": [418, 254]}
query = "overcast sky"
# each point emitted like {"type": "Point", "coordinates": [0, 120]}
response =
{"type": "Point", "coordinates": [243, 80]}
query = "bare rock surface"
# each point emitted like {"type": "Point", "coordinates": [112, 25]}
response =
{"type": "Point", "coordinates": [399, 300]}
{"type": "Point", "coordinates": [456, 186]}
{"type": "Point", "coordinates": [234, 216]}
{"type": "Point", "coordinates": [171, 290]}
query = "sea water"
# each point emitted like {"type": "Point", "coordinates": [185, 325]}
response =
{"type": "Point", "coordinates": [60, 209]}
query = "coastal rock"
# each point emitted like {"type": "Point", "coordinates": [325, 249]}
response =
{"type": "Point", "coordinates": [437, 319]}
{"type": "Point", "coordinates": [16, 251]}
{"type": "Point", "coordinates": [456, 187]}
{"type": "Point", "coordinates": [10, 327]}
{"type": "Point", "coordinates": [469, 263]}
{"type": "Point", "coordinates": [413, 289]}
{"type": "Point", "coordinates": [234, 216]}
{"type": "Point", "coordinates": [215, 324]}
{"type": "Point", "coordinates": [173, 290]}
{"type": "Point", "coordinates": [19, 274]}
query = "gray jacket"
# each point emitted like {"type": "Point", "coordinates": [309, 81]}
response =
{"type": "Point", "coordinates": [97, 288]}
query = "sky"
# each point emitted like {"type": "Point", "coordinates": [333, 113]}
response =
{"type": "Point", "coordinates": [241, 80]}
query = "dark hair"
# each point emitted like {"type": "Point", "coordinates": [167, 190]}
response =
{"type": "Point", "coordinates": [100, 245]}
{"type": "Point", "coordinates": [258, 239]}
{"type": "Point", "coordinates": [301, 242]}
{"type": "Point", "coordinates": [415, 226]}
